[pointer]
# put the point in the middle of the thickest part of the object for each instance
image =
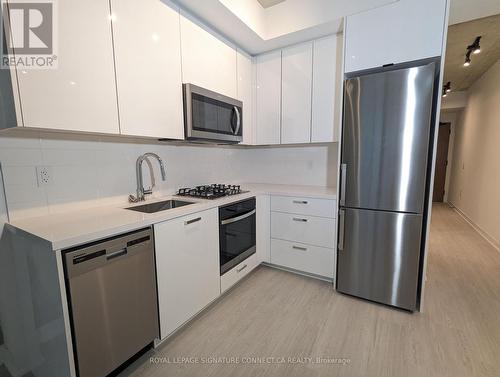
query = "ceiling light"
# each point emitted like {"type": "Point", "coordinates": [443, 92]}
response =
{"type": "Point", "coordinates": [467, 59]}
{"type": "Point", "coordinates": [475, 46]}
{"type": "Point", "coordinates": [447, 87]}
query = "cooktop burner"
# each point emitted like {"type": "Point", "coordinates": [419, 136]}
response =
{"type": "Point", "coordinates": [212, 191]}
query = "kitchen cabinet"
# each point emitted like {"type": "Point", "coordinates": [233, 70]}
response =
{"type": "Point", "coordinates": [245, 95]}
{"type": "Point", "coordinates": [327, 89]}
{"type": "Point", "coordinates": [303, 234]}
{"type": "Point", "coordinates": [80, 94]}
{"type": "Point", "coordinates": [296, 94]}
{"type": "Point", "coordinates": [146, 39]}
{"type": "Point", "coordinates": [263, 228]}
{"type": "Point", "coordinates": [268, 102]}
{"type": "Point", "coordinates": [394, 33]}
{"type": "Point", "coordinates": [206, 60]}
{"type": "Point", "coordinates": [187, 263]}
{"type": "Point", "coordinates": [238, 272]}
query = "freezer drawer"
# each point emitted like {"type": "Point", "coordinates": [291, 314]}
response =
{"type": "Point", "coordinates": [379, 260]}
{"type": "Point", "coordinates": [385, 143]}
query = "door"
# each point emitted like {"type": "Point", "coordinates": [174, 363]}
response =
{"type": "Point", "coordinates": [441, 162]}
{"type": "Point", "coordinates": [296, 94]}
{"type": "Point", "coordinates": [206, 60]}
{"type": "Point", "coordinates": [80, 94]}
{"type": "Point", "coordinates": [150, 95]}
{"type": "Point", "coordinates": [379, 256]}
{"type": "Point", "coordinates": [268, 103]}
{"type": "Point", "coordinates": [386, 139]}
{"type": "Point", "coordinates": [187, 264]}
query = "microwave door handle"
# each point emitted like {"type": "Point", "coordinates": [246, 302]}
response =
{"type": "Point", "coordinates": [238, 120]}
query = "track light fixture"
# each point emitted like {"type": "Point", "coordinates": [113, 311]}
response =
{"type": "Point", "coordinates": [474, 48]}
{"type": "Point", "coordinates": [446, 88]}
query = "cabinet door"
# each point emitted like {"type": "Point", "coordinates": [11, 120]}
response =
{"type": "Point", "coordinates": [394, 33]}
{"type": "Point", "coordinates": [187, 264]}
{"type": "Point", "coordinates": [327, 87]}
{"type": "Point", "coordinates": [268, 109]}
{"type": "Point", "coordinates": [296, 94]}
{"type": "Point", "coordinates": [263, 228]}
{"type": "Point", "coordinates": [80, 94]}
{"type": "Point", "coordinates": [206, 60]}
{"type": "Point", "coordinates": [245, 95]}
{"type": "Point", "coordinates": [146, 38]}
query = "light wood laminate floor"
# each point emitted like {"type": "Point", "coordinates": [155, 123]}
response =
{"type": "Point", "coordinates": [278, 314]}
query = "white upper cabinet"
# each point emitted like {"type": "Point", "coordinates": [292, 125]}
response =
{"type": "Point", "coordinates": [403, 31]}
{"type": "Point", "coordinates": [148, 68]}
{"type": "Point", "coordinates": [327, 89]}
{"type": "Point", "coordinates": [245, 95]}
{"type": "Point", "coordinates": [268, 102]}
{"type": "Point", "coordinates": [80, 94]}
{"type": "Point", "coordinates": [206, 60]}
{"type": "Point", "coordinates": [296, 94]}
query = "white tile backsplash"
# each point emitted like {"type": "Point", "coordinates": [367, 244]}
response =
{"type": "Point", "coordinates": [91, 171]}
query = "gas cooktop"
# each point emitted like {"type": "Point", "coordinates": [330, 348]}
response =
{"type": "Point", "coordinates": [212, 191]}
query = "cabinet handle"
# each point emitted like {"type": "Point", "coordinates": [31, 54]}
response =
{"type": "Point", "coordinates": [299, 248]}
{"type": "Point", "coordinates": [300, 201]}
{"type": "Point", "coordinates": [299, 219]}
{"type": "Point", "coordinates": [241, 268]}
{"type": "Point", "coordinates": [192, 221]}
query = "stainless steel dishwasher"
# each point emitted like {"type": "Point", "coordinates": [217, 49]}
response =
{"type": "Point", "coordinates": [113, 301]}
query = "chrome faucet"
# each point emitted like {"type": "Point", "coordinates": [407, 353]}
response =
{"type": "Point", "coordinates": [141, 191]}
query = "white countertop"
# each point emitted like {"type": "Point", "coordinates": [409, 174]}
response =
{"type": "Point", "coordinates": [78, 227]}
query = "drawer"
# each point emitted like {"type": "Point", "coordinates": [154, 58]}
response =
{"type": "Point", "coordinates": [238, 272]}
{"type": "Point", "coordinates": [318, 231]}
{"type": "Point", "coordinates": [304, 206]}
{"type": "Point", "coordinates": [312, 259]}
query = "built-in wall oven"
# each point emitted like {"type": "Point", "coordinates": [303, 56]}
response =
{"type": "Point", "coordinates": [236, 233]}
{"type": "Point", "coordinates": [210, 116]}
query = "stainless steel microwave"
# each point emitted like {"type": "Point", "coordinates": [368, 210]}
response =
{"type": "Point", "coordinates": [210, 116]}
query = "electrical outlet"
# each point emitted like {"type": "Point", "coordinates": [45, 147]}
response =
{"type": "Point", "coordinates": [43, 175]}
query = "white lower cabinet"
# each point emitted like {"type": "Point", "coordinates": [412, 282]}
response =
{"type": "Point", "coordinates": [238, 272]}
{"type": "Point", "coordinates": [312, 230]}
{"type": "Point", "coordinates": [303, 234]}
{"type": "Point", "coordinates": [263, 228]}
{"type": "Point", "coordinates": [187, 263]}
{"type": "Point", "coordinates": [307, 258]}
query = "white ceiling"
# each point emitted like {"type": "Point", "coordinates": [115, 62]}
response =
{"type": "Point", "coordinates": [269, 3]}
{"type": "Point", "coordinates": [466, 10]}
{"type": "Point", "coordinates": [257, 29]}
{"type": "Point", "coordinates": [263, 25]}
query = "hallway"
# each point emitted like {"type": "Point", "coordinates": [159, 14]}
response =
{"type": "Point", "coordinates": [458, 334]}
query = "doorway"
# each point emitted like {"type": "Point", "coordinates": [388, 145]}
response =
{"type": "Point", "coordinates": [441, 162]}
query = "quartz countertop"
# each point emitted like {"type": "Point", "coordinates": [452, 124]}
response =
{"type": "Point", "coordinates": [64, 230]}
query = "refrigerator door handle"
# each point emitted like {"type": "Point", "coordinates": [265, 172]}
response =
{"type": "Point", "coordinates": [343, 175]}
{"type": "Point", "coordinates": [340, 244]}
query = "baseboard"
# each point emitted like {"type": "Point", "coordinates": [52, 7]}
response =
{"type": "Point", "coordinates": [491, 240]}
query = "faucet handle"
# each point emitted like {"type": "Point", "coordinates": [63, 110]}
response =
{"type": "Point", "coordinates": [148, 191]}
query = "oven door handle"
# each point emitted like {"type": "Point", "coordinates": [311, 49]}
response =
{"type": "Point", "coordinates": [237, 218]}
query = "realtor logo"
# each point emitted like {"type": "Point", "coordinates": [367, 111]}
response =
{"type": "Point", "coordinates": [29, 40]}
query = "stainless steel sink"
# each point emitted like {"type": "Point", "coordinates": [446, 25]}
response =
{"type": "Point", "coordinates": [160, 206]}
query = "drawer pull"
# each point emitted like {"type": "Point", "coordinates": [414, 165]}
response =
{"type": "Point", "coordinates": [299, 248]}
{"type": "Point", "coordinates": [299, 219]}
{"type": "Point", "coordinates": [241, 268]}
{"type": "Point", "coordinates": [300, 201]}
{"type": "Point", "coordinates": [192, 221]}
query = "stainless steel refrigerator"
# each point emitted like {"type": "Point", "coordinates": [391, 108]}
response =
{"type": "Point", "coordinates": [384, 164]}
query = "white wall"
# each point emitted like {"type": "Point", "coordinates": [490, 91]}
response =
{"type": "Point", "coordinates": [475, 178]}
{"type": "Point", "coordinates": [89, 171]}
